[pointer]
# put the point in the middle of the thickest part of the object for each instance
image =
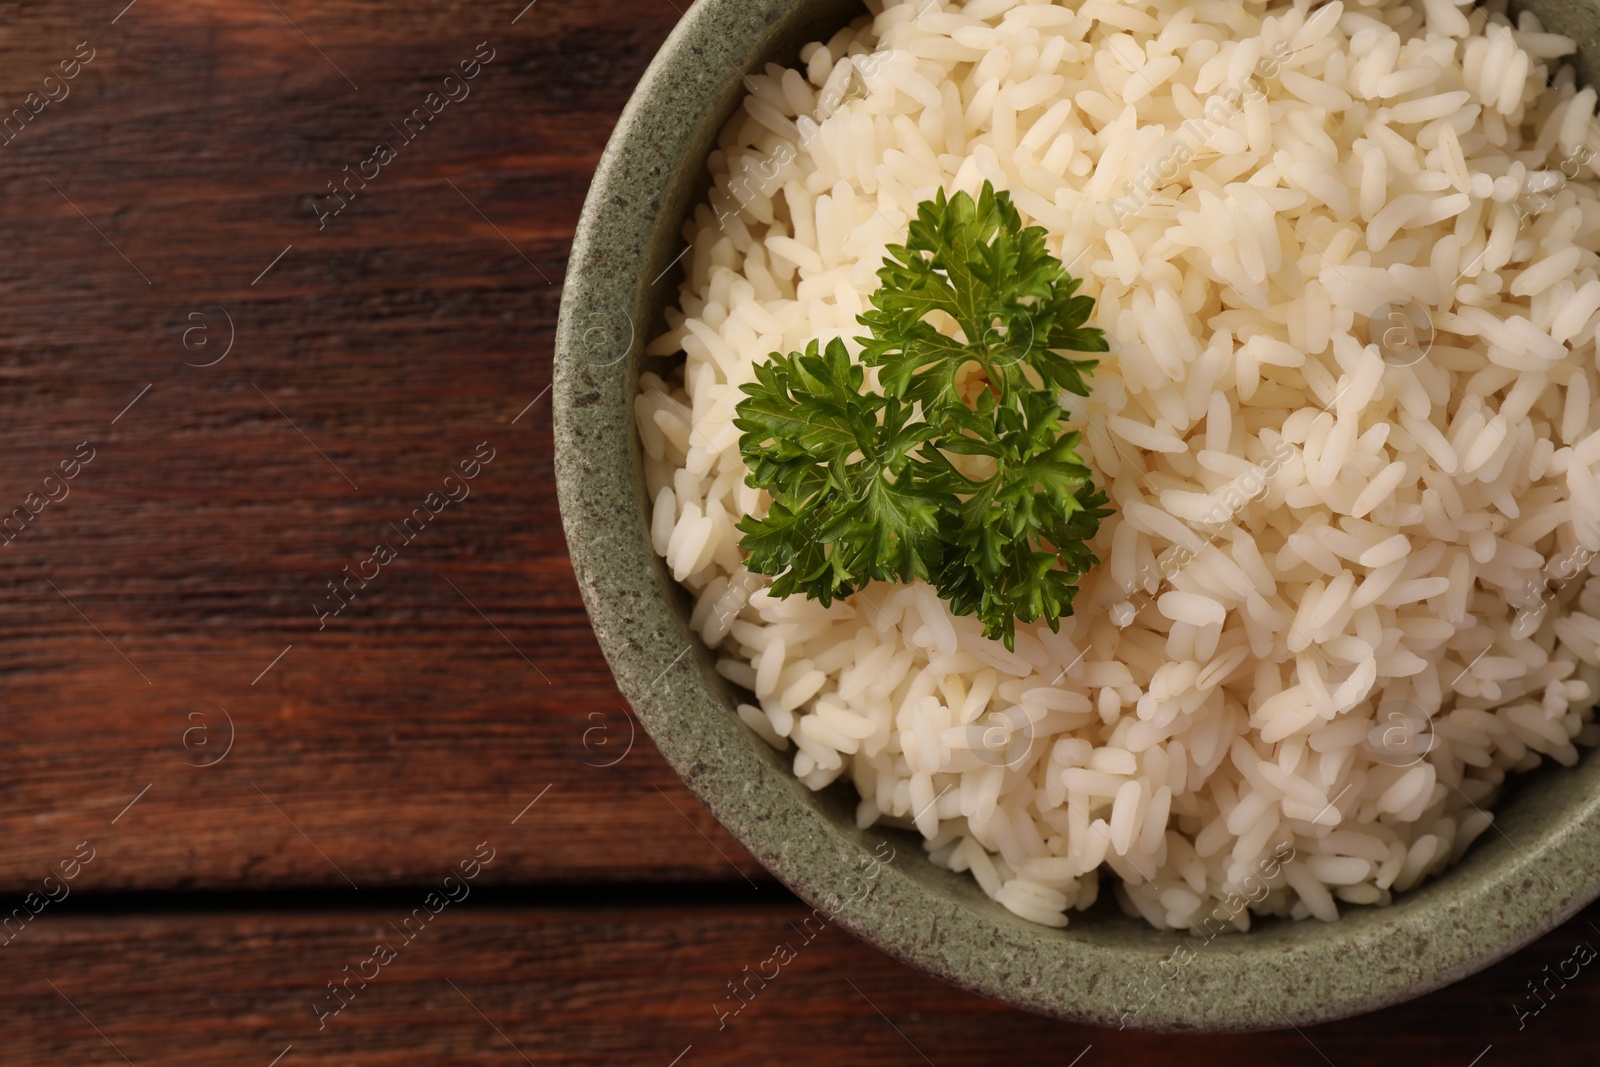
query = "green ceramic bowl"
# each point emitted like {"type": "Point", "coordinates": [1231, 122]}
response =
{"type": "Point", "coordinates": [1535, 869]}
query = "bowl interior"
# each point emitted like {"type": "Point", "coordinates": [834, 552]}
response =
{"type": "Point", "coordinates": [1535, 868]}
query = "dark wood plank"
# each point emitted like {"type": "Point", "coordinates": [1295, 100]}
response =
{"type": "Point", "coordinates": [643, 984]}
{"type": "Point", "coordinates": [145, 215]}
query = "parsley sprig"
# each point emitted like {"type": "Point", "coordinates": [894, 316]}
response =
{"type": "Point", "coordinates": [863, 481]}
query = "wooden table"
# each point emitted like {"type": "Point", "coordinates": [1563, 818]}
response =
{"type": "Point", "coordinates": [264, 390]}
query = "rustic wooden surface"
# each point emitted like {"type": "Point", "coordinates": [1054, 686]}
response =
{"type": "Point", "coordinates": [265, 797]}
{"type": "Point", "coordinates": [141, 609]}
{"type": "Point", "coordinates": [628, 981]}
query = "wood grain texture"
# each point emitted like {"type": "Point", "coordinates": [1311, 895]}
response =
{"type": "Point", "coordinates": [644, 985]}
{"type": "Point", "coordinates": [142, 214]}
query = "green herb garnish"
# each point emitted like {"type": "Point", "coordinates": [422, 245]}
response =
{"type": "Point", "coordinates": [862, 482]}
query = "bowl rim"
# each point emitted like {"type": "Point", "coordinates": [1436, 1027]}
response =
{"type": "Point", "coordinates": [1279, 975]}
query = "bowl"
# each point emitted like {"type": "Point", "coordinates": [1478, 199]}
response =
{"type": "Point", "coordinates": [1538, 866]}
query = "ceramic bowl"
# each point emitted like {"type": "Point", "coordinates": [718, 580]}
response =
{"type": "Point", "coordinates": [1535, 868]}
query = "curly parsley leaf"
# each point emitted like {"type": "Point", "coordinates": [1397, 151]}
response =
{"type": "Point", "coordinates": [977, 489]}
{"type": "Point", "coordinates": [847, 505]}
{"type": "Point", "coordinates": [1014, 305]}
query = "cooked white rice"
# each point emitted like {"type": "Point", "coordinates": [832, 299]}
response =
{"type": "Point", "coordinates": [1318, 629]}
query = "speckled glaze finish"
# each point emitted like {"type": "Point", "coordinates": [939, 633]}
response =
{"type": "Point", "coordinates": [1535, 869]}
